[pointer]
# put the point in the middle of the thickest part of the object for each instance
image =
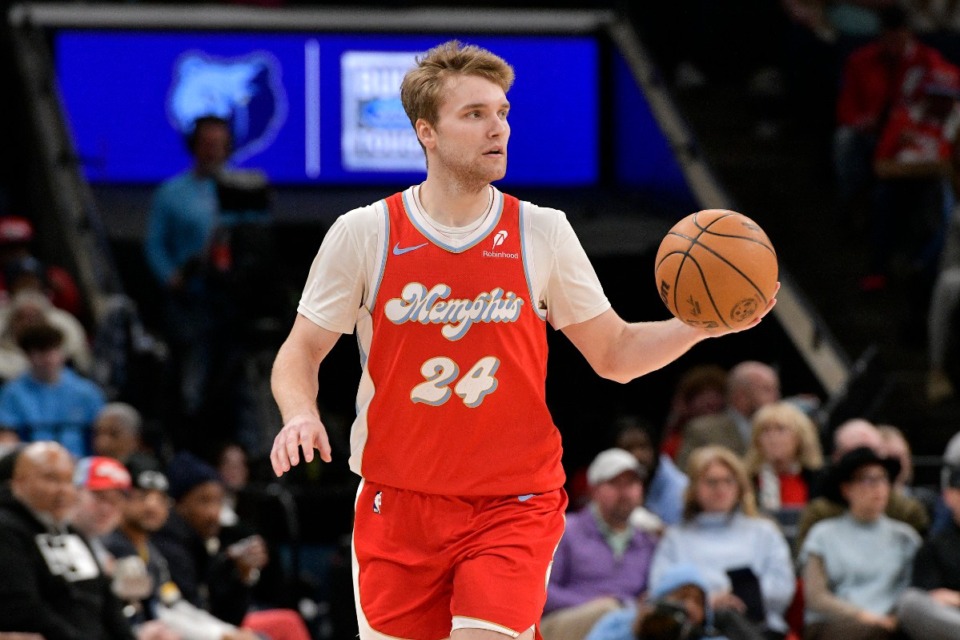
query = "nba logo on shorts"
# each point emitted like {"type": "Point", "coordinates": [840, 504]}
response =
{"type": "Point", "coordinates": [376, 501]}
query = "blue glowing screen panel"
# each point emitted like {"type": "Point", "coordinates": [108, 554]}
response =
{"type": "Point", "coordinates": [310, 108]}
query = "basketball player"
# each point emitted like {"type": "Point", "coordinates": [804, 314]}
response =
{"type": "Point", "coordinates": [449, 285]}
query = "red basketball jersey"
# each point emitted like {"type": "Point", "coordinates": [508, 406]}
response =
{"type": "Point", "coordinates": [457, 363]}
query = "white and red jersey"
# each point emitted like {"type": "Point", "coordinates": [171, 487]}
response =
{"type": "Point", "coordinates": [451, 329]}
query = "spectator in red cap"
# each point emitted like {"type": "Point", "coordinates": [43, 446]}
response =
{"type": "Point", "coordinates": [101, 484]}
{"type": "Point", "coordinates": [16, 234]}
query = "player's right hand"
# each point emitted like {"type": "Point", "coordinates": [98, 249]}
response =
{"type": "Point", "coordinates": [302, 430]}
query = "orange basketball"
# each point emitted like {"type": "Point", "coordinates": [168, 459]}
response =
{"type": "Point", "coordinates": [716, 268]}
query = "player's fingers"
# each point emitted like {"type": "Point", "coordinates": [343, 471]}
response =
{"type": "Point", "coordinates": [322, 443]}
{"type": "Point", "coordinates": [275, 460]}
{"type": "Point", "coordinates": [291, 447]}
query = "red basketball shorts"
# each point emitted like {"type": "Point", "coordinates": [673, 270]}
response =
{"type": "Point", "coordinates": [425, 564]}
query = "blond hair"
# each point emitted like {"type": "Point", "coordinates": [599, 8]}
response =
{"type": "Point", "coordinates": [700, 460]}
{"type": "Point", "coordinates": [422, 88]}
{"type": "Point", "coordinates": [809, 452]}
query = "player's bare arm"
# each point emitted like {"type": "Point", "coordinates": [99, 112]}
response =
{"type": "Point", "coordinates": [295, 387]}
{"type": "Point", "coordinates": [621, 351]}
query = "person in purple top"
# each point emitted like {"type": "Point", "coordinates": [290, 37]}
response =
{"type": "Point", "coordinates": [602, 561]}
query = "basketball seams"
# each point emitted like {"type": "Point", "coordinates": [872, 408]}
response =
{"type": "Point", "coordinates": [704, 229]}
{"type": "Point", "coordinates": [725, 261]}
{"type": "Point", "coordinates": [706, 289]}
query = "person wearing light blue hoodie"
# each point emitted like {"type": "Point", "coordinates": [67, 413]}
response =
{"type": "Point", "coordinates": [678, 608]}
{"type": "Point", "coordinates": [743, 557]}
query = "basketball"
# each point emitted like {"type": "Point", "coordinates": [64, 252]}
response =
{"type": "Point", "coordinates": [716, 269]}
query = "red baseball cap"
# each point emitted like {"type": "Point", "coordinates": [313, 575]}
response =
{"type": "Point", "coordinates": [15, 229]}
{"type": "Point", "coordinates": [99, 473]}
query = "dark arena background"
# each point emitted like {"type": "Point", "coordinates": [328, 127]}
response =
{"type": "Point", "coordinates": [625, 115]}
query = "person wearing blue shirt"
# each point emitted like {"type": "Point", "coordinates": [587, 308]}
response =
{"type": "Point", "coordinates": [182, 254]}
{"type": "Point", "coordinates": [663, 492]}
{"type": "Point", "coordinates": [50, 401]}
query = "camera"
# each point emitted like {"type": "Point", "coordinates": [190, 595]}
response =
{"type": "Point", "coordinates": [667, 620]}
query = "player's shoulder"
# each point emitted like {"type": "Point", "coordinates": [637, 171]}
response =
{"type": "Point", "coordinates": [542, 214]}
{"type": "Point", "coordinates": [363, 219]}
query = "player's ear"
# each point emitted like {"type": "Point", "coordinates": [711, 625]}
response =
{"type": "Point", "coordinates": [425, 133]}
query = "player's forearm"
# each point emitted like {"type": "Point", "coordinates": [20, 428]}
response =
{"type": "Point", "coordinates": [643, 347]}
{"type": "Point", "coordinates": [294, 382]}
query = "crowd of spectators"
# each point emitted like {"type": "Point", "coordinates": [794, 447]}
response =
{"type": "Point", "coordinates": [775, 541]}
{"type": "Point", "coordinates": [729, 521]}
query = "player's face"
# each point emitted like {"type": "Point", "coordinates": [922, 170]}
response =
{"type": "Point", "coordinates": [469, 139]}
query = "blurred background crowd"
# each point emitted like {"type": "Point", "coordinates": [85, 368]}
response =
{"type": "Point", "coordinates": [735, 492]}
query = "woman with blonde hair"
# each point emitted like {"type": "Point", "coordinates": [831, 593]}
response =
{"type": "Point", "coordinates": [784, 459]}
{"type": "Point", "coordinates": [743, 556]}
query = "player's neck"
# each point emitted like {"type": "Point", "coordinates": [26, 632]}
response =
{"type": "Point", "coordinates": [452, 204]}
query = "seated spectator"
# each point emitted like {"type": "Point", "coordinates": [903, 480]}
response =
{"type": "Point", "coordinates": [143, 512]}
{"type": "Point", "coordinates": [50, 401]}
{"type": "Point", "coordinates": [851, 435]}
{"type": "Point", "coordinates": [29, 308]}
{"type": "Point", "coordinates": [895, 445]}
{"type": "Point", "coordinates": [701, 391]}
{"type": "Point", "coordinates": [234, 473]}
{"type": "Point", "coordinates": [941, 316]}
{"type": "Point", "coordinates": [101, 484]}
{"type": "Point", "coordinates": [52, 584]}
{"type": "Point", "coordinates": [930, 609]}
{"type": "Point", "coordinates": [9, 439]}
{"type": "Point", "coordinates": [784, 461]}
{"type": "Point", "coordinates": [678, 607]}
{"type": "Point", "coordinates": [214, 570]}
{"type": "Point", "coordinates": [665, 484]}
{"type": "Point", "coordinates": [601, 562]}
{"type": "Point", "coordinates": [117, 433]}
{"type": "Point", "coordinates": [58, 285]}
{"type": "Point", "coordinates": [856, 565]}
{"type": "Point", "coordinates": [743, 557]}
{"type": "Point", "coordinates": [750, 385]}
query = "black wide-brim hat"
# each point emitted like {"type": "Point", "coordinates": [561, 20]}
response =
{"type": "Point", "coordinates": [845, 468]}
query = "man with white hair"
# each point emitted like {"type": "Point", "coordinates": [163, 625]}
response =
{"type": "Point", "coordinates": [750, 386]}
{"type": "Point", "coordinates": [850, 435]}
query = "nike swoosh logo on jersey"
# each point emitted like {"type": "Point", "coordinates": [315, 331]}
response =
{"type": "Point", "coordinates": [525, 497]}
{"type": "Point", "coordinates": [397, 251]}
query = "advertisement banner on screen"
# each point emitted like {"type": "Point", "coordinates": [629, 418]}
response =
{"type": "Point", "coordinates": [377, 134]}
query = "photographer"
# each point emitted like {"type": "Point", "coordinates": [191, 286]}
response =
{"type": "Point", "coordinates": [678, 609]}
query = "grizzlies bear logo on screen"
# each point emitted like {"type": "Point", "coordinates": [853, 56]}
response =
{"type": "Point", "coordinates": [246, 91]}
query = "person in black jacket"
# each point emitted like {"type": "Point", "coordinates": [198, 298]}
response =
{"type": "Point", "coordinates": [52, 584]}
{"type": "Point", "coordinates": [216, 568]}
{"type": "Point", "coordinates": [930, 609]}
